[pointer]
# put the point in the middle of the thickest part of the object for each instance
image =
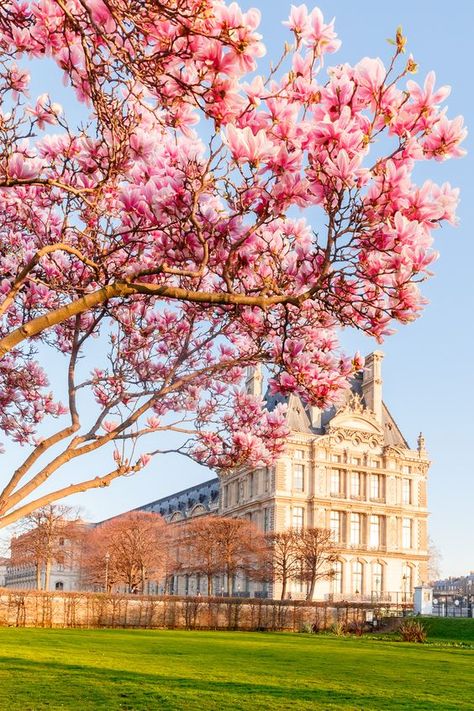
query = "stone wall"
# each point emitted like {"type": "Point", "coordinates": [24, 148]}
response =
{"type": "Point", "coordinates": [27, 608]}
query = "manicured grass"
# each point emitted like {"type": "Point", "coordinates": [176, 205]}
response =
{"type": "Point", "coordinates": [94, 670]}
{"type": "Point", "coordinates": [450, 629]}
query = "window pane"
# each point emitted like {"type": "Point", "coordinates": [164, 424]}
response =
{"type": "Point", "coordinates": [377, 579]}
{"type": "Point", "coordinates": [357, 578]}
{"type": "Point", "coordinates": [335, 525]}
{"type": "Point", "coordinates": [298, 477]}
{"type": "Point", "coordinates": [375, 486]}
{"type": "Point", "coordinates": [406, 491]}
{"type": "Point", "coordinates": [266, 519]}
{"type": "Point", "coordinates": [355, 528]}
{"type": "Point", "coordinates": [335, 481]}
{"type": "Point", "coordinates": [407, 535]}
{"type": "Point", "coordinates": [407, 579]}
{"type": "Point", "coordinates": [355, 484]}
{"type": "Point", "coordinates": [337, 579]}
{"type": "Point", "coordinates": [298, 518]}
{"type": "Point", "coordinates": [374, 531]}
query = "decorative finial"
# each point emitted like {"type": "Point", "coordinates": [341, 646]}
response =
{"type": "Point", "coordinates": [421, 443]}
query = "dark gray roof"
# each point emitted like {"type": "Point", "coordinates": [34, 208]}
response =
{"type": "Point", "coordinates": [205, 495]}
{"type": "Point", "coordinates": [298, 418]}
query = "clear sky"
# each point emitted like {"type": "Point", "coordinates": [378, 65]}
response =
{"type": "Point", "coordinates": [428, 366]}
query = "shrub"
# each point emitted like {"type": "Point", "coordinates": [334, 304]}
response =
{"type": "Point", "coordinates": [413, 631]}
{"type": "Point", "coordinates": [339, 629]}
{"type": "Point", "coordinates": [357, 627]}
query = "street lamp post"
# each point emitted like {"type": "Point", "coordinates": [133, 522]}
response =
{"type": "Point", "coordinates": [107, 560]}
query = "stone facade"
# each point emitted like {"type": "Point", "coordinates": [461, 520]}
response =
{"type": "Point", "coordinates": [351, 470]}
{"type": "Point", "coordinates": [348, 469]}
{"type": "Point", "coordinates": [64, 572]}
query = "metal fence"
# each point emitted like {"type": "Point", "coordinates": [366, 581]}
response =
{"type": "Point", "coordinates": [453, 605]}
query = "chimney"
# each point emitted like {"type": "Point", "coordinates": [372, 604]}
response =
{"type": "Point", "coordinates": [315, 417]}
{"type": "Point", "coordinates": [372, 383]}
{"type": "Point", "coordinates": [254, 380]}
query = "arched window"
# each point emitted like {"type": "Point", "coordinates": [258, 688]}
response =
{"type": "Point", "coordinates": [407, 579]}
{"type": "Point", "coordinates": [357, 577]}
{"type": "Point", "coordinates": [377, 578]}
{"type": "Point", "coordinates": [59, 585]}
{"type": "Point", "coordinates": [337, 578]}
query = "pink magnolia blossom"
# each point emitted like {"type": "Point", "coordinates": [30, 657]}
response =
{"type": "Point", "coordinates": [247, 147]}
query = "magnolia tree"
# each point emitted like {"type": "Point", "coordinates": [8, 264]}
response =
{"type": "Point", "coordinates": [183, 255]}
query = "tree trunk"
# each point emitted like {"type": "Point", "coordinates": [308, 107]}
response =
{"type": "Point", "coordinates": [47, 574]}
{"type": "Point", "coordinates": [283, 588]}
{"type": "Point", "coordinates": [209, 585]}
{"type": "Point", "coordinates": [312, 586]}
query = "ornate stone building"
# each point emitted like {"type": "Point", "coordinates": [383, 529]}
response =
{"type": "Point", "coordinates": [349, 470]}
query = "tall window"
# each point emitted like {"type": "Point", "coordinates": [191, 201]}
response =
{"type": "Point", "coordinates": [355, 528]}
{"type": "Point", "coordinates": [240, 491]}
{"type": "Point", "coordinates": [407, 533]}
{"type": "Point", "coordinates": [299, 454]}
{"type": "Point", "coordinates": [407, 579]}
{"type": "Point", "coordinates": [226, 495]}
{"type": "Point", "coordinates": [266, 520]}
{"type": "Point", "coordinates": [377, 578]}
{"type": "Point", "coordinates": [251, 484]}
{"type": "Point", "coordinates": [375, 488]}
{"type": "Point", "coordinates": [355, 484]}
{"type": "Point", "coordinates": [357, 577]}
{"type": "Point", "coordinates": [406, 491]}
{"type": "Point", "coordinates": [337, 578]}
{"type": "Point", "coordinates": [335, 525]}
{"type": "Point", "coordinates": [266, 479]}
{"type": "Point", "coordinates": [298, 477]}
{"type": "Point", "coordinates": [297, 518]}
{"type": "Point", "coordinates": [335, 483]}
{"type": "Point", "coordinates": [374, 531]}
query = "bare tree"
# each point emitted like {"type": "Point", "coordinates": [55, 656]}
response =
{"type": "Point", "coordinates": [283, 563]}
{"type": "Point", "coordinates": [44, 537]}
{"type": "Point", "coordinates": [213, 545]}
{"type": "Point", "coordinates": [434, 561]}
{"type": "Point", "coordinates": [316, 556]}
{"type": "Point", "coordinates": [129, 549]}
{"type": "Point", "coordinates": [196, 550]}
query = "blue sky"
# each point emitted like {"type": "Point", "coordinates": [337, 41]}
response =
{"type": "Point", "coordinates": [428, 375]}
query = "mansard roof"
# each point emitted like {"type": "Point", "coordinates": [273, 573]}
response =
{"type": "Point", "coordinates": [205, 495]}
{"type": "Point", "coordinates": [298, 416]}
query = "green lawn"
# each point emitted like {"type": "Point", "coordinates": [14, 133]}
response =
{"type": "Point", "coordinates": [92, 670]}
{"type": "Point", "coordinates": [450, 629]}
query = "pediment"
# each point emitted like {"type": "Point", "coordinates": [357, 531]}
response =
{"type": "Point", "coordinates": [362, 422]}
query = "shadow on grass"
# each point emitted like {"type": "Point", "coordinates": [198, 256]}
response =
{"type": "Point", "coordinates": [32, 685]}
